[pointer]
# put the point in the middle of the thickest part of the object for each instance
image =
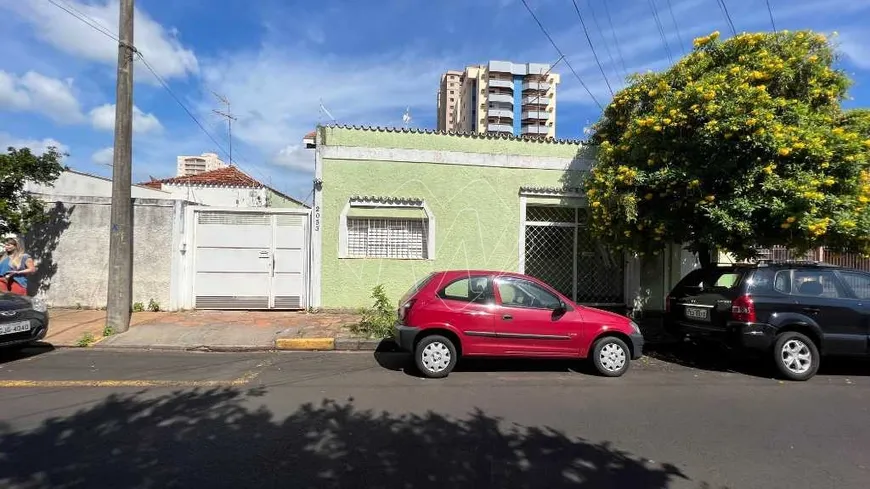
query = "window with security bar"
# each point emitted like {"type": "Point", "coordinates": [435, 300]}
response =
{"type": "Point", "coordinates": [561, 251]}
{"type": "Point", "coordinates": [387, 238]}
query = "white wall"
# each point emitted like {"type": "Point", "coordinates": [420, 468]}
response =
{"type": "Point", "coordinates": [81, 185]}
{"type": "Point", "coordinates": [218, 196]}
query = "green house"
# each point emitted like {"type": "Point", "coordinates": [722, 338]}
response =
{"type": "Point", "coordinates": [392, 205]}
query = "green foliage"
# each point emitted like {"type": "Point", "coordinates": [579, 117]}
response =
{"type": "Point", "coordinates": [741, 144]}
{"type": "Point", "coordinates": [86, 340]}
{"type": "Point", "coordinates": [153, 306]}
{"type": "Point", "coordinates": [108, 331]}
{"type": "Point", "coordinates": [378, 320]}
{"type": "Point", "coordinates": [18, 210]}
{"type": "Point", "coordinates": [138, 307]}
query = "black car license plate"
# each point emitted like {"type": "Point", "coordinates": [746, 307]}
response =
{"type": "Point", "coordinates": [697, 313]}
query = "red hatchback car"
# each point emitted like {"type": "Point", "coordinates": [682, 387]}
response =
{"type": "Point", "coordinates": [497, 314]}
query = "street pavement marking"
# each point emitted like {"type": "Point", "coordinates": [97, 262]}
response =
{"type": "Point", "coordinates": [243, 380]}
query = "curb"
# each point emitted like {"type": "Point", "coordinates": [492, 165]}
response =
{"type": "Point", "coordinates": [327, 344]}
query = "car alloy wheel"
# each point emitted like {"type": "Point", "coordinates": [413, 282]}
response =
{"type": "Point", "coordinates": [796, 356]}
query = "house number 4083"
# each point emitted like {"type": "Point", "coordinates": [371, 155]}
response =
{"type": "Point", "coordinates": [317, 218]}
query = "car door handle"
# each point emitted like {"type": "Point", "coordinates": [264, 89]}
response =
{"type": "Point", "coordinates": [507, 317]}
{"type": "Point", "coordinates": [812, 310]}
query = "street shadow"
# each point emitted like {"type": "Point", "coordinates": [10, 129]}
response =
{"type": "Point", "coordinates": [16, 353]}
{"type": "Point", "coordinates": [42, 241]}
{"type": "Point", "coordinates": [215, 439]}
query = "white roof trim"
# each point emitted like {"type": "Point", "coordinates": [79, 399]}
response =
{"type": "Point", "coordinates": [352, 153]}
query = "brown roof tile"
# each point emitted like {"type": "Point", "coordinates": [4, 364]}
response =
{"type": "Point", "coordinates": [222, 177]}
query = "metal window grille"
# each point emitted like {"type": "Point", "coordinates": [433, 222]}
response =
{"type": "Point", "coordinates": [561, 251]}
{"type": "Point", "coordinates": [387, 238]}
{"type": "Point", "coordinates": [235, 218]}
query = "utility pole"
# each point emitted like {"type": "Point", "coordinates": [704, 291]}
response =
{"type": "Point", "coordinates": [228, 115]}
{"type": "Point", "coordinates": [120, 285]}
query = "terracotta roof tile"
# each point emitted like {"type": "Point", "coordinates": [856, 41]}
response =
{"type": "Point", "coordinates": [459, 134]}
{"type": "Point", "coordinates": [222, 177]}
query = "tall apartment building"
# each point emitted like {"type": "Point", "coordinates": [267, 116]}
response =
{"type": "Point", "coordinates": [501, 97]}
{"type": "Point", "coordinates": [448, 95]}
{"type": "Point", "coordinates": [194, 165]}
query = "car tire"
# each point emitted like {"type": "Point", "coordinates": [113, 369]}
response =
{"type": "Point", "coordinates": [796, 356]}
{"type": "Point", "coordinates": [435, 356]}
{"type": "Point", "coordinates": [611, 356]}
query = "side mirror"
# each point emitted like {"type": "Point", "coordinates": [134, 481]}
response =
{"type": "Point", "coordinates": [561, 308]}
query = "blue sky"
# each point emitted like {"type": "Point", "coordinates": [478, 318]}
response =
{"type": "Point", "coordinates": [275, 60]}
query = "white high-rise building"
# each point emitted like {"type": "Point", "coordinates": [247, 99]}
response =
{"type": "Point", "coordinates": [194, 165]}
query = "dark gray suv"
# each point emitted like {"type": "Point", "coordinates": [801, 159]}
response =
{"type": "Point", "coordinates": [797, 312]}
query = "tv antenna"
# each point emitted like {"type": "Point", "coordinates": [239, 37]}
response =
{"type": "Point", "coordinates": [228, 115]}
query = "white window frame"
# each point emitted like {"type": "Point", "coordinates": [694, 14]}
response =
{"type": "Point", "coordinates": [385, 203]}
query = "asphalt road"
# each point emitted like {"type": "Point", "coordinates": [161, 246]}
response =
{"type": "Point", "coordinates": [92, 419]}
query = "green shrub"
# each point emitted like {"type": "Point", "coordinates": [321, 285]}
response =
{"type": "Point", "coordinates": [153, 306]}
{"type": "Point", "coordinates": [378, 320]}
{"type": "Point", "coordinates": [138, 307]}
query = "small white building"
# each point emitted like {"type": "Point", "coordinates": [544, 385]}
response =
{"type": "Point", "coordinates": [72, 183]}
{"type": "Point", "coordinates": [194, 165]}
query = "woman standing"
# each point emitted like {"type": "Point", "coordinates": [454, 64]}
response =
{"type": "Point", "coordinates": [15, 267]}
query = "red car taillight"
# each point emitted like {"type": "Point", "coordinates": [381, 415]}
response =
{"type": "Point", "coordinates": [743, 309]}
{"type": "Point", "coordinates": [405, 309]}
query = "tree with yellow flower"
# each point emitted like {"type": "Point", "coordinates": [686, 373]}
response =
{"type": "Point", "coordinates": [741, 144]}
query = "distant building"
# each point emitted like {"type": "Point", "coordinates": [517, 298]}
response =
{"type": "Point", "coordinates": [194, 165]}
{"type": "Point", "coordinates": [448, 97]}
{"type": "Point", "coordinates": [500, 97]}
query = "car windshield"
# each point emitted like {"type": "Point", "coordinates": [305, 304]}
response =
{"type": "Point", "coordinates": [417, 286]}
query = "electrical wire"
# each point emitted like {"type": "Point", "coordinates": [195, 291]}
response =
{"type": "Point", "coordinates": [94, 24]}
{"type": "Point", "coordinates": [661, 29]}
{"type": "Point", "coordinates": [592, 47]}
{"type": "Point", "coordinates": [616, 40]}
{"type": "Point", "coordinates": [770, 11]}
{"type": "Point", "coordinates": [677, 27]}
{"type": "Point", "coordinates": [556, 46]}
{"type": "Point", "coordinates": [603, 39]}
{"type": "Point", "coordinates": [724, 8]}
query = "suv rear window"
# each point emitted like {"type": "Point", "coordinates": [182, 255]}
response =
{"type": "Point", "coordinates": [717, 278]}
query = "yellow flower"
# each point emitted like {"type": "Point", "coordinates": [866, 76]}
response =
{"type": "Point", "coordinates": [759, 132]}
{"type": "Point", "coordinates": [813, 58]}
{"type": "Point", "coordinates": [784, 151]}
{"type": "Point", "coordinates": [837, 130]}
{"type": "Point", "coordinates": [640, 227]}
{"type": "Point", "coordinates": [799, 145]}
{"type": "Point", "coordinates": [751, 122]}
{"type": "Point", "coordinates": [695, 183]}
{"type": "Point", "coordinates": [657, 128]}
{"type": "Point", "coordinates": [785, 225]}
{"type": "Point", "coordinates": [667, 121]}
{"type": "Point", "coordinates": [648, 196]}
{"type": "Point", "coordinates": [710, 198]}
{"type": "Point", "coordinates": [596, 204]}
{"type": "Point", "coordinates": [790, 220]}
{"type": "Point", "coordinates": [863, 199]}
{"type": "Point", "coordinates": [830, 181]}
{"type": "Point", "coordinates": [769, 169]}
{"type": "Point", "coordinates": [627, 234]}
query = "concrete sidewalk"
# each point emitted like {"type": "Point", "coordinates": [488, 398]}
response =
{"type": "Point", "coordinates": [210, 330]}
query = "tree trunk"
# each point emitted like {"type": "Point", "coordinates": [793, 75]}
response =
{"type": "Point", "coordinates": [705, 257]}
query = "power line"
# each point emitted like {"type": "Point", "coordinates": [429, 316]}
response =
{"type": "Point", "coordinates": [592, 47]}
{"type": "Point", "coordinates": [770, 11]}
{"type": "Point", "coordinates": [544, 30]}
{"type": "Point", "coordinates": [603, 39]}
{"type": "Point", "coordinates": [66, 7]}
{"type": "Point", "coordinates": [676, 27]}
{"type": "Point", "coordinates": [616, 40]}
{"type": "Point", "coordinates": [724, 8]}
{"type": "Point", "coordinates": [661, 29]}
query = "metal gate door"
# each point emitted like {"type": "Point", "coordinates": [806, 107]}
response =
{"type": "Point", "coordinates": [250, 260]}
{"type": "Point", "coordinates": [560, 250]}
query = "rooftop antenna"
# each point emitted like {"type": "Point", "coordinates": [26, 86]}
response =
{"type": "Point", "coordinates": [323, 110]}
{"type": "Point", "coordinates": [228, 115]}
{"type": "Point", "coordinates": [406, 117]}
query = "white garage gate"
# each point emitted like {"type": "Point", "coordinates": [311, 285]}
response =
{"type": "Point", "coordinates": [250, 259]}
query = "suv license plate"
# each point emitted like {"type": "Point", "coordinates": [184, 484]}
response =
{"type": "Point", "coordinates": [697, 313]}
{"type": "Point", "coordinates": [12, 328]}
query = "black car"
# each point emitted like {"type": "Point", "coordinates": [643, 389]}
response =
{"type": "Point", "coordinates": [797, 312]}
{"type": "Point", "coordinates": [22, 320]}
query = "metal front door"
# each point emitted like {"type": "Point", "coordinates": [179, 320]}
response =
{"type": "Point", "coordinates": [250, 260]}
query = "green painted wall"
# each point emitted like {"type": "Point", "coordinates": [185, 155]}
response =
{"type": "Point", "coordinates": [340, 136]}
{"type": "Point", "coordinates": [280, 202]}
{"type": "Point", "coordinates": [476, 211]}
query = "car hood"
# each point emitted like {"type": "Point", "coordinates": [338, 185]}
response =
{"type": "Point", "coordinates": [607, 317]}
{"type": "Point", "coordinates": [11, 302]}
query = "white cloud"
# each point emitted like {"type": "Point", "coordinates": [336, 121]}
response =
{"type": "Point", "coordinates": [853, 45]}
{"type": "Point", "coordinates": [104, 156]}
{"type": "Point", "coordinates": [39, 93]}
{"type": "Point", "coordinates": [36, 145]}
{"type": "Point", "coordinates": [158, 44]}
{"type": "Point", "coordinates": [103, 117]}
{"type": "Point", "coordinates": [295, 156]}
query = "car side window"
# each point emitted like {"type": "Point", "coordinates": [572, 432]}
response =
{"type": "Point", "coordinates": [468, 289]}
{"type": "Point", "coordinates": [858, 282]}
{"type": "Point", "coordinates": [516, 292]}
{"type": "Point", "coordinates": [817, 283]}
{"type": "Point", "coordinates": [782, 282]}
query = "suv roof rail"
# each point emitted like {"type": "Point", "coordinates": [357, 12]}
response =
{"type": "Point", "coordinates": [804, 263]}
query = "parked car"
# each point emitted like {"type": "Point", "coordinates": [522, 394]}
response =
{"type": "Point", "coordinates": [23, 320]}
{"type": "Point", "coordinates": [454, 314]}
{"type": "Point", "coordinates": [795, 312]}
